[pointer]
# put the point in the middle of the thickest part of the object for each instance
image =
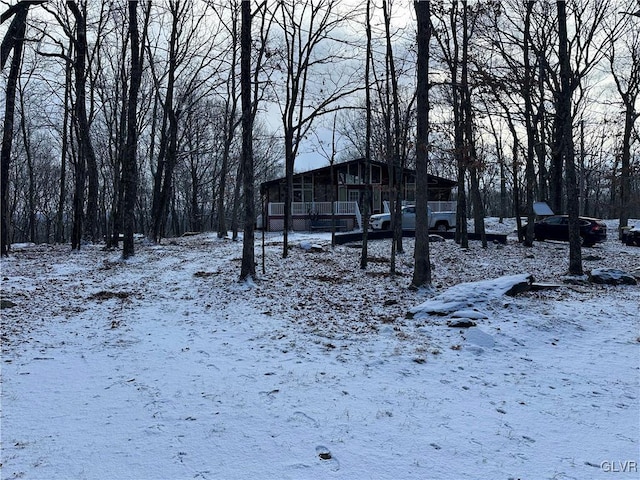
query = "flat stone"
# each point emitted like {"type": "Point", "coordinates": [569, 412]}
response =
{"type": "Point", "coordinates": [611, 276]}
{"type": "Point", "coordinates": [471, 314]}
{"type": "Point", "coordinates": [7, 304]}
{"type": "Point", "coordinates": [536, 287]}
{"type": "Point", "coordinates": [461, 323]}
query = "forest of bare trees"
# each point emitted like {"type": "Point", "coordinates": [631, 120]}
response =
{"type": "Point", "coordinates": [125, 118]}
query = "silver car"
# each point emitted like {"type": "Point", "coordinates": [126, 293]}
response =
{"type": "Point", "coordinates": [382, 221]}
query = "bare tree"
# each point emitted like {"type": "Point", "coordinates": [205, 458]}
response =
{"type": "Point", "coordinates": [422, 262]}
{"type": "Point", "coordinates": [584, 52]}
{"type": "Point", "coordinates": [311, 43]}
{"type": "Point", "coordinates": [624, 62]}
{"type": "Point", "coordinates": [446, 36]}
{"type": "Point", "coordinates": [167, 155]}
{"type": "Point", "coordinates": [391, 103]}
{"type": "Point", "coordinates": [26, 130]}
{"type": "Point", "coordinates": [364, 255]}
{"type": "Point", "coordinates": [331, 154]}
{"type": "Point", "coordinates": [527, 93]}
{"type": "Point", "coordinates": [110, 86]}
{"type": "Point", "coordinates": [496, 132]}
{"type": "Point", "coordinates": [248, 266]}
{"type": "Point", "coordinates": [85, 165]}
{"type": "Point", "coordinates": [231, 118]}
{"type": "Point", "coordinates": [466, 114]}
{"type": "Point", "coordinates": [513, 89]}
{"type": "Point", "coordinates": [564, 128]}
{"type": "Point", "coordinates": [64, 149]}
{"type": "Point", "coordinates": [130, 166]}
{"type": "Point", "coordinates": [189, 74]}
{"type": "Point", "coordinates": [12, 41]}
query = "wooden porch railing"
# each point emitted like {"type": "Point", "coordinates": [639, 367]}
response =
{"type": "Point", "coordinates": [321, 208]}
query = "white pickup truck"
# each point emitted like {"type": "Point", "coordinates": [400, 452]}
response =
{"type": "Point", "coordinates": [439, 221]}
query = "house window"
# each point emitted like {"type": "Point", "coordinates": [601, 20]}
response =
{"type": "Point", "coordinates": [303, 188]}
{"type": "Point", "coordinates": [376, 174]}
{"type": "Point", "coordinates": [342, 175]}
{"type": "Point", "coordinates": [353, 176]}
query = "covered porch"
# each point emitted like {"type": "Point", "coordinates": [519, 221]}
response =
{"type": "Point", "coordinates": [307, 215]}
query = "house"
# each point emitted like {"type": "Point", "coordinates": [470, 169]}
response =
{"type": "Point", "coordinates": [314, 190]}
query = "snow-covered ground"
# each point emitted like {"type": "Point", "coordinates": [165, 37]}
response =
{"type": "Point", "coordinates": [164, 367]}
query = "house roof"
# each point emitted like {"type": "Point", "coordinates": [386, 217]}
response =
{"type": "Point", "coordinates": [443, 182]}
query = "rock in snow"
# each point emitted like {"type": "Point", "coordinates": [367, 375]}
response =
{"type": "Point", "coordinates": [465, 296]}
{"type": "Point", "coordinates": [310, 247]}
{"type": "Point", "coordinates": [461, 323]}
{"type": "Point", "coordinates": [611, 276]}
{"type": "Point", "coordinates": [479, 338]}
{"type": "Point", "coordinates": [473, 314]}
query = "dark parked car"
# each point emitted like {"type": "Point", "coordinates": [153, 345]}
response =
{"type": "Point", "coordinates": [556, 227]}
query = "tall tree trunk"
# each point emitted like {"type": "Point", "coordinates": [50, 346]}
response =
{"type": "Point", "coordinates": [366, 212]}
{"type": "Point", "coordinates": [540, 121]}
{"type": "Point", "coordinates": [515, 149]}
{"type": "Point", "coordinates": [163, 180]}
{"type": "Point", "coordinates": [393, 140]}
{"type": "Point", "coordinates": [86, 164]}
{"type": "Point", "coordinates": [503, 186]}
{"type": "Point", "coordinates": [31, 194]}
{"type": "Point", "coordinates": [625, 178]}
{"type": "Point", "coordinates": [422, 262]}
{"type": "Point", "coordinates": [332, 161]}
{"type": "Point", "coordinates": [248, 266]}
{"type": "Point", "coordinates": [289, 160]}
{"type": "Point", "coordinates": [531, 136]}
{"type": "Point", "coordinates": [195, 212]}
{"type": "Point", "coordinates": [13, 40]}
{"type": "Point", "coordinates": [556, 167]}
{"type": "Point", "coordinates": [130, 166]}
{"type": "Point", "coordinates": [565, 140]}
{"type": "Point", "coordinates": [229, 133]}
{"type": "Point", "coordinates": [79, 170]}
{"type": "Point", "coordinates": [17, 30]}
{"type": "Point", "coordinates": [471, 158]}
{"type": "Point", "coordinates": [237, 197]}
{"type": "Point", "coordinates": [115, 222]}
{"type": "Point", "coordinates": [476, 199]}
{"type": "Point", "coordinates": [290, 150]}
{"type": "Point", "coordinates": [462, 236]}
{"type": "Point", "coordinates": [222, 186]}
{"type": "Point", "coordinates": [166, 191]}
{"type": "Point", "coordinates": [85, 150]}
{"type": "Point", "coordinates": [60, 220]}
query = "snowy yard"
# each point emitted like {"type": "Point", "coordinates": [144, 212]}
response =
{"type": "Point", "coordinates": [164, 367]}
